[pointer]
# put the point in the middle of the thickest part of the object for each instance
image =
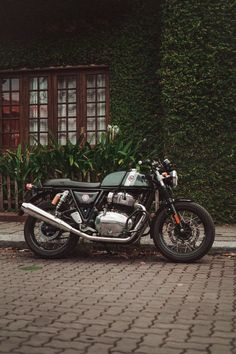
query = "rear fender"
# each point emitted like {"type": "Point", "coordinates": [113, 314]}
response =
{"type": "Point", "coordinates": [36, 198]}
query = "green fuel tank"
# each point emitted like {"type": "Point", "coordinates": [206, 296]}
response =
{"type": "Point", "coordinates": [125, 179]}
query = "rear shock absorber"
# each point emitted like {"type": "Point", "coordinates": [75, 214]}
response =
{"type": "Point", "coordinates": [62, 200]}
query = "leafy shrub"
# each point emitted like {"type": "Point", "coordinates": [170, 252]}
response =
{"type": "Point", "coordinates": [79, 161]}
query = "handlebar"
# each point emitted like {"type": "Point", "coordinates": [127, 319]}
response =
{"type": "Point", "coordinates": [164, 166]}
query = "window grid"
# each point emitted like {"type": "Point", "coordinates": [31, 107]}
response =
{"type": "Point", "coordinates": [38, 110]}
{"type": "Point", "coordinates": [96, 107]}
{"type": "Point", "coordinates": [64, 102]}
{"type": "Point", "coordinates": [67, 97]}
{"type": "Point", "coordinates": [10, 112]}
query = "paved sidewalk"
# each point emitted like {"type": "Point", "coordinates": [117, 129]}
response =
{"type": "Point", "coordinates": [11, 235]}
{"type": "Point", "coordinates": [111, 305]}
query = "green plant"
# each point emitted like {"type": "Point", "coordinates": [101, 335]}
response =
{"type": "Point", "coordinates": [78, 161]}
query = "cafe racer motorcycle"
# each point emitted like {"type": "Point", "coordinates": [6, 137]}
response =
{"type": "Point", "coordinates": [125, 206]}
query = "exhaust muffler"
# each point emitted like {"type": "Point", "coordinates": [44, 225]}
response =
{"type": "Point", "coordinates": [41, 214]}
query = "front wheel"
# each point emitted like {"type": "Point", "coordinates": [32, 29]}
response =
{"type": "Point", "coordinates": [45, 240]}
{"type": "Point", "coordinates": [188, 242]}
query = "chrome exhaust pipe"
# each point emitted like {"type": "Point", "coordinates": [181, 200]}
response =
{"type": "Point", "coordinates": [41, 214]}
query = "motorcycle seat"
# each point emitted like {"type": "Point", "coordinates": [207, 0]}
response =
{"type": "Point", "coordinates": [66, 182]}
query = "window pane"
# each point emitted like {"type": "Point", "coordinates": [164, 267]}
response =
{"type": "Point", "coordinates": [61, 96]}
{"type": "Point", "coordinates": [43, 111]}
{"type": "Point", "coordinates": [71, 82]}
{"type": "Point", "coordinates": [15, 111]}
{"type": "Point", "coordinates": [101, 80]}
{"type": "Point", "coordinates": [43, 125]}
{"type": "Point", "coordinates": [33, 125]}
{"type": "Point", "coordinates": [34, 83]}
{"type": "Point", "coordinates": [43, 83]}
{"type": "Point", "coordinates": [5, 84]}
{"type": "Point", "coordinates": [91, 95]}
{"type": "Point", "coordinates": [61, 124]}
{"type": "Point", "coordinates": [15, 98]}
{"type": "Point", "coordinates": [33, 139]}
{"type": "Point", "coordinates": [99, 135]}
{"type": "Point", "coordinates": [71, 110]}
{"type": "Point", "coordinates": [33, 112]}
{"type": "Point", "coordinates": [91, 138]}
{"type": "Point", "coordinates": [71, 96]}
{"type": "Point", "coordinates": [43, 97]}
{"type": "Point", "coordinates": [43, 138]}
{"type": "Point", "coordinates": [33, 97]}
{"type": "Point", "coordinates": [6, 98]}
{"type": "Point", "coordinates": [91, 124]}
{"type": "Point", "coordinates": [101, 109]}
{"type": "Point", "coordinates": [101, 95]}
{"type": "Point", "coordinates": [5, 111]}
{"type": "Point", "coordinates": [15, 84]}
{"type": "Point", "coordinates": [61, 110]}
{"type": "Point", "coordinates": [72, 124]}
{"type": "Point", "coordinates": [62, 138]}
{"type": "Point", "coordinates": [101, 123]}
{"type": "Point", "coordinates": [11, 140]}
{"type": "Point", "coordinates": [72, 137]}
{"type": "Point", "coordinates": [91, 81]}
{"type": "Point", "coordinates": [61, 82]}
{"type": "Point", "coordinates": [91, 109]}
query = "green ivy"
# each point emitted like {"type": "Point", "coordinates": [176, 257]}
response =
{"type": "Point", "coordinates": [197, 78]}
{"type": "Point", "coordinates": [172, 76]}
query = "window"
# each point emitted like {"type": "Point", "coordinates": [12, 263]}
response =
{"type": "Point", "coordinates": [38, 110]}
{"type": "Point", "coordinates": [10, 112]}
{"type": "Point", "coordinates": [60, 102]}
{"type": "Point", "coordinates": [67, 97]}
{"type": "Point", "coordinates": [95, 107]}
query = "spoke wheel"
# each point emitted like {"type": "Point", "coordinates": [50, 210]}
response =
{"type": "Point", "coordinates": [188, 242]}
{"type": "Point", "coordinates": [45, 240]}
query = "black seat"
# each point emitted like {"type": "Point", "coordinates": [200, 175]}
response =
{"type": "Point", "coordinates": [66, 182]}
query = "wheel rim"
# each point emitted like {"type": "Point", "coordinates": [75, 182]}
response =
{"type": "Point", "coordinates": [48, 237]}
{"type": "Point", "coordinates": [185, 241]}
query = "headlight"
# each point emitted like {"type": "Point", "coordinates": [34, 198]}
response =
{"type": "Point", "coordinates": [174, 178]}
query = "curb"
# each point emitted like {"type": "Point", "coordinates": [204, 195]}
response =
{"type": "Point", "coordinates": [89, 247]}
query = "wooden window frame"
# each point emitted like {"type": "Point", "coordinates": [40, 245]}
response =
{"type": "Point", "coordinates": [81, 73]}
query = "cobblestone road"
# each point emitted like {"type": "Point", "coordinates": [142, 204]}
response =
{"type": "Point", "coordinates": [109, 304]}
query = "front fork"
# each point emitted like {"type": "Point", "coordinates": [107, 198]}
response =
{"type": "Point", "coordinates": [171, 206]}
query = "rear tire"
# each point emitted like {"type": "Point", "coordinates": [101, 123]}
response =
{"type": "Point", "coordinates": [194, 242]}
{"type": "Point", "coordinates": [42, 238]}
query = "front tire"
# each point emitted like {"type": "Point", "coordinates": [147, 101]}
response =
{"type": "Point", "coordinates": [189, 243]}
{"type": "Point", "coordinates": [45, 240]}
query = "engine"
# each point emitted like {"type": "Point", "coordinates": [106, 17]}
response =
{"type": "Point", "coordinates": [114, 220]}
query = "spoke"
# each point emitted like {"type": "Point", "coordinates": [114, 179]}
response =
{"type": "Point", "coordinates": [188, 246]}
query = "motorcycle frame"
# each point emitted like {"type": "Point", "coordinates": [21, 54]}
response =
{"type": "Point", "coordinates": [44, 193]}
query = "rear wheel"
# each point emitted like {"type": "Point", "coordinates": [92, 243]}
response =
{"type": "Point", "coordinates": [189, 242]}
{"type": "Point", "coordinates": [45, 240]}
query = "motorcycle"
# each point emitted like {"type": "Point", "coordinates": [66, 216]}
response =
{"type": "Point", "coordinates": [121, 209]}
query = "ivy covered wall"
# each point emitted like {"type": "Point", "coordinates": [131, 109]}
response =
{"type": "Point", "coordinates": [197, 79]}
{"type": "Point", "coordinates": [172, 75]}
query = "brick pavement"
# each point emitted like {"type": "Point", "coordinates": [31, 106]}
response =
{"type": "Point", "coordinates": [108, 304]}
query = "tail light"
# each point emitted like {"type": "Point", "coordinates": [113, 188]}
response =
{"type": "Point", "coordinates": [29, 186]}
